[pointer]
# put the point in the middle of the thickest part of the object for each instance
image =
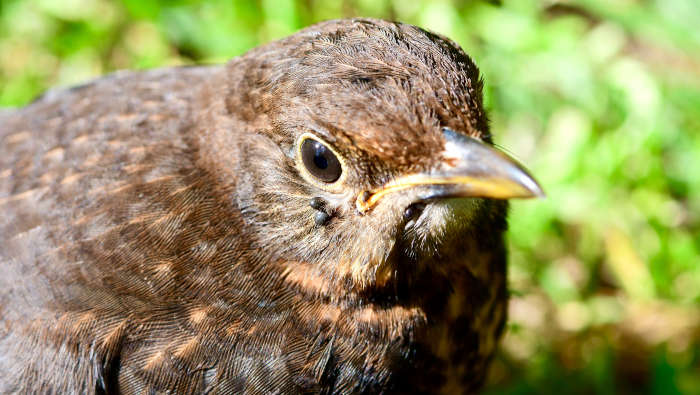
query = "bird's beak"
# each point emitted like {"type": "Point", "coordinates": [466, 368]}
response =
{"type": "Point", "coordinates": [470, 168]}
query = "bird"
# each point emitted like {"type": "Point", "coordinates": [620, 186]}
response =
{"type": "Point", "coordinates": [322, 214]}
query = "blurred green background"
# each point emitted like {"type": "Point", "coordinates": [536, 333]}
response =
{"type": "Point", "coordinates": [601, 99]}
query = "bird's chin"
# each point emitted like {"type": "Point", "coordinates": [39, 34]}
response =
{"type": "Point", "coordinates": [440, 221]}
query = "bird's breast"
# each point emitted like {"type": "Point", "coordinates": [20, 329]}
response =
{"type": "Point", "coordinates": [438, 342]}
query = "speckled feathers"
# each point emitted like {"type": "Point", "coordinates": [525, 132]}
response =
{"type": "Point", "coordinates": [156, 233]}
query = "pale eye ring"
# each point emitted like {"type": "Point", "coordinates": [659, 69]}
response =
{"type": "Point", "coordinates": [319, 160]}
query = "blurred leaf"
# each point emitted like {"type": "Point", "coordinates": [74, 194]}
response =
{"type": "Point", "coordinates": [628, 268]}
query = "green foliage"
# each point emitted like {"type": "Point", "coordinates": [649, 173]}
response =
{"type": "Point", "coordinates": [601, 99]}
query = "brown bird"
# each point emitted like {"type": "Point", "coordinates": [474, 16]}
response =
{"type": "Point", "coordinates": [323, 214]}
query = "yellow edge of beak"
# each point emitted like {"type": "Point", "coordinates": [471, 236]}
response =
{"type": "Point", "coordinates": [491, 187]}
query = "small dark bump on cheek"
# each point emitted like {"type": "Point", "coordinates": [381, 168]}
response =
{"type": "Point", "coordinates": [317, 203]}
{"type": "Point", "coordinates": [413, 210]}
{"type": "Point", "coordinates": [322, 215]}
{"type": "Point", "coordinates": [320, 218]}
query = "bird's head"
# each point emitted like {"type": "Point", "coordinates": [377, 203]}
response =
{"type": "Point", "coordinates": [366, 148]}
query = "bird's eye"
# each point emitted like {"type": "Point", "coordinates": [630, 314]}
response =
{"type": "Point", "coordinates": [320, 161]}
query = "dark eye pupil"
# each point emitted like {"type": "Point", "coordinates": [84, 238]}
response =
{"type": "Point", "coordinates": [320, 161]}
{"type": "Point", "coordinates": [320, 156]}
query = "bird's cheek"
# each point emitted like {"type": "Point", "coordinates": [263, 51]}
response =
{"type": "Point", "coordinates": [365, 248]}
{"type": "Point", "coordinates": [440, 222]}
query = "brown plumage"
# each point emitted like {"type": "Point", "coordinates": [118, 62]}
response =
{"type": "Point", "coordinates": [315, 216]}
